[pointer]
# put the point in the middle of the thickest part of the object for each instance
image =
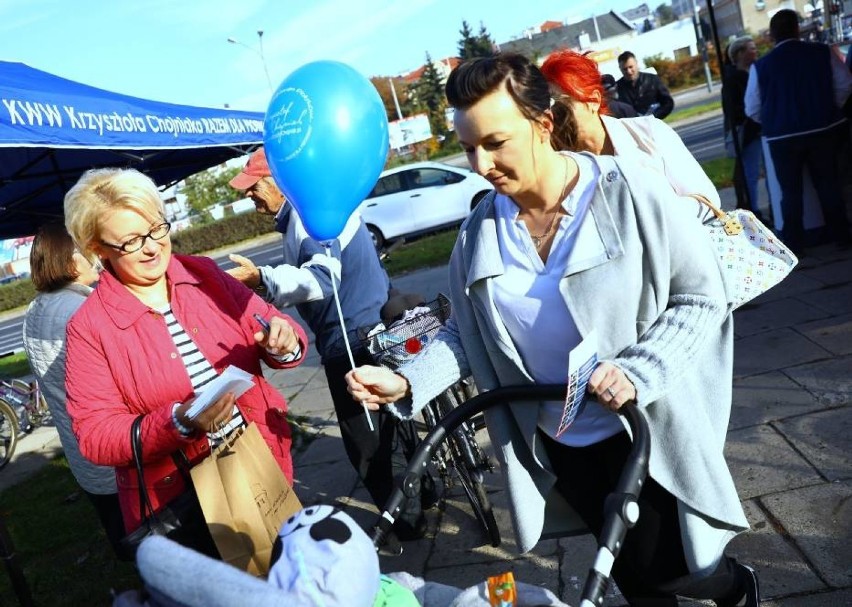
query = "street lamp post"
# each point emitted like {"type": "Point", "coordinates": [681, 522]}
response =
{"type": "Point", "coordinates": [259, 52]}
{"type": "Point", "coordinates": [395, 100]}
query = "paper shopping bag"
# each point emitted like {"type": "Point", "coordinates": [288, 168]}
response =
{"type": "Point", "coordinates": [245, 498]}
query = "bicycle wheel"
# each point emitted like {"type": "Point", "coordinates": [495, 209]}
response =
{"type": "Point", "coordinates": [467, 460]}
{"type": "Point", "coordinates": [8, 432]}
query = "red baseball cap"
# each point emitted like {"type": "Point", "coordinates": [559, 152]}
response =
{"type": "Point", "coordinates": [256, 169]}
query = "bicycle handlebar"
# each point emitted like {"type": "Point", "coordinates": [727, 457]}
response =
{"type": "Point", "coordinates": [620, 507]}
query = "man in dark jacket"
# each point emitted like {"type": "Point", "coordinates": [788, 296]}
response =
{"type": "Point", "coordinates": [645, 92]}
{"type": "Point", "coordinates": [617, 108]}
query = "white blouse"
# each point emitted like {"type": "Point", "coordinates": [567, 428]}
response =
{"type": "Point", "coordinates": [533, 310]}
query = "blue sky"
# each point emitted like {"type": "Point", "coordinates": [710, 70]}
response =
{"type": "Point", "coordinates": [177, 50]}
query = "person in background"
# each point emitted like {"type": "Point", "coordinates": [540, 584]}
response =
{"type": "Point", "coordinates": [158, 328]}
{"type": "Point", "coordinates": [743, 53]}
{"type": "Point", "coordinates": [62, 277]}
{"type": "Point", "coordinates": [582, 123]}
{"type": "Point", "coordinates": [645, 92]}
{"type": "Point", "coordinates": [795, 92]}
{"type": "Point", "coordinates": [304, 280]}
{"type": "Point", "coordinates": [530, 278]}
{"type": "Point", "coordinates": [617, 109]}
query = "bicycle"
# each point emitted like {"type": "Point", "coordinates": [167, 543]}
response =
{"type": "Point", "coordinates": [28, 396]}
{"type": "Point", "coordinates": [459, 459]}
{"type": "Point", "coordinates": [8, 432]}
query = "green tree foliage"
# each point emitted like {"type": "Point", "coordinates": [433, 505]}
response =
{"type": "Point", "coordinates": [403, 96]}
{"type": "Point", "coordinates": [430, 94]}
{"type": "Point", "coordinates": [209, 187]}
{"type": "Point", "coordinates": [665, 14]}
{"type": "Point", "coordinates": [470, 45]}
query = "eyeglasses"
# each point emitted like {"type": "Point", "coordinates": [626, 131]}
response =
{"type": "Point", "coordinates": [137, 242]}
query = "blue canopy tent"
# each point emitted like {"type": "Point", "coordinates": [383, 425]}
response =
{"type": "Point", "coordinates": [53, 129]}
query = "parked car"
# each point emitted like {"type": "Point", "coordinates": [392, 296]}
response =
{"type": "Point", "coordinates": [418, 198]}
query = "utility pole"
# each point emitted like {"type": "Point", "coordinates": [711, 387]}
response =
{"type": "Point", "coordinates": [702, 45]}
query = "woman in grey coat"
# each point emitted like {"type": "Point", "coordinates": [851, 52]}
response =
{"type": "Point", "coordinates": [63, 279]}
{"type": "Point", "coordinates": [576, 248]}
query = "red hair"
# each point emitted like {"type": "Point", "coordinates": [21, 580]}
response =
{"type": "Point", "coordinates": [576, 75]}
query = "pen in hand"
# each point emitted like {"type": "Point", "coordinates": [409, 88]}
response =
{"type": "Point", "coordinates": [262, 322]}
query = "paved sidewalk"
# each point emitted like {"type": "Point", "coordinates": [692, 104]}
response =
{"type": "Point", "coordinates": [788, 448]}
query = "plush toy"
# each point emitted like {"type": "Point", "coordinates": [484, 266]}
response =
{"type": "Point", "coordinates": [321, 557]}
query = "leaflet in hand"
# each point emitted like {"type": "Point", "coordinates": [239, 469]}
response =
{"type": "Point", "coordinates": [233, 379]}
{"type": "Point", "coordinates": [582, 360]}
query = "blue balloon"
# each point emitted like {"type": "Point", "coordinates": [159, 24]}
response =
{"type": "Point", "coordinates": [326, 141]}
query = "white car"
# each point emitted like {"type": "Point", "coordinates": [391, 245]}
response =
{"type": "Point", "coordinates": [418, 198]}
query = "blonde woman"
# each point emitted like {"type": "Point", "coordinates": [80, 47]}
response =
{"type": "Point", "coordinates": [156, 330]}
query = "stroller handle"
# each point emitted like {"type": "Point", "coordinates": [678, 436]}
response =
{"type": "Point", "coordinates": [621, 511]}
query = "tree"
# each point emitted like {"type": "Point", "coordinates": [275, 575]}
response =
{"type": "Point", "coordinates": [665, 14]}
{"type": "Point", "coordinates": [210, 187]}
{"type": "Point", "coordinates": [403, 96]}
{"type": "Point", "coordinates": [430, 94]}
{"type": "Point", "coordinates": [471, 46]}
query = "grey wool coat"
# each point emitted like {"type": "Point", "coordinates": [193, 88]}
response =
{"type": "Point", "coordinates": [656, 297]}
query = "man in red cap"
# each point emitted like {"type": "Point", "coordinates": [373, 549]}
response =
{"type": "Point", "coordinates": [304, 280]}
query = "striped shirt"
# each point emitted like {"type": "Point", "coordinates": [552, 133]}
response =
{"type": "Point", "coordinates": [200, 371]}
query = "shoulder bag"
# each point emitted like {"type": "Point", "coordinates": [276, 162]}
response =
{"type": "Point", "coordinates": [752, 258]}
{"type": "Point", "coordinates": [180, 520]}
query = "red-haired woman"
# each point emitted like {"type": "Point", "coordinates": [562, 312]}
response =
{"type": "Point", "coordinates": [583, 123]}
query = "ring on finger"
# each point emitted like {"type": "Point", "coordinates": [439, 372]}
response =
{"type": "Point", "coordinates": [611, 392]}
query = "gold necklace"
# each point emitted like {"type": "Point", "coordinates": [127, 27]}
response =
{"type": "Point", "coordinates": [539, 240]}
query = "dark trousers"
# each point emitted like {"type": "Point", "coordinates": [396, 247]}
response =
{"type": "Point", "coordinates": [818, 152]}
{"type": "Point", "coordinates": [109, 513]}
{"type": "Point", "coordinates": [379, 456]}
{"type": "Point", "coordinates": [651, 567]}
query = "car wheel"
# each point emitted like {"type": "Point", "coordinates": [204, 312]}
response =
{"type": "Point", "coordinates": [478, 197]}
{"type": "Point", "coordinates": [378, 239]}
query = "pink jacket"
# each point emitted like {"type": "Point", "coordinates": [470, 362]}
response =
{"type": "Point", "coordinates": [122, 362]}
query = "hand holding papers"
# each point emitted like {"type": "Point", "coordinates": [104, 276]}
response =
{"type": "Point", "coordinates": [233, 379]}
{"type": "Point", "coordinates": [582, 360]}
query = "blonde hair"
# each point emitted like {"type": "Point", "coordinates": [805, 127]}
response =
{"type": "Point", "coordinates": [99, 191]}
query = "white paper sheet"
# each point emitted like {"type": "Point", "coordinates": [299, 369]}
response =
{"type": "Point", "coordinates": [233, 379]}
{"type": "Point", "coordinates": [582, 360]}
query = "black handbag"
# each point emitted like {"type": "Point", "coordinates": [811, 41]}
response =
{"type": "Point", "coordinates": [181, 520]}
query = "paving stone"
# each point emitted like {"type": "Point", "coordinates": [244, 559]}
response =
{"type": "Point", "coordinates": [819, 521]}
{"type": "Point", "coordinates": [830, 380]}
{"type": "Point", "coordinates": [831, 598]}
{"type": "Point", "coordinates": [780, 566]}
{"type": "Point", "coordinates": [823, 438]}
{"type": "Point", "coordinates": [769, 396]}
{"type": "Point", "coordinates": [799, 281]}
{"type": "Point", "coordinates": [833, 333]}
{"type": "Point", "coordinates": [774, 315]}
{"type": "Point", "coordinates": [835, 269]}
{"type": "Point", "coordinates": [762, 462]}
{"type": "Point", "coordinates": [834, 299]}
{"type": "Point", "coordinates": [773, 350]}
{"type": "Point", "coordinates": [324, 482]}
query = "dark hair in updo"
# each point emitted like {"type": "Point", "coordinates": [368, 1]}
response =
{"type": "Point", "coordinates": [475, 78]}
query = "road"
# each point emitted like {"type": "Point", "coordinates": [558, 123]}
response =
{"type": "Point", "coordinates": [702, 136]}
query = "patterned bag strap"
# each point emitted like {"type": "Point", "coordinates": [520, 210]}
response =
{"type": "Point", "coordinates": [730, 224]}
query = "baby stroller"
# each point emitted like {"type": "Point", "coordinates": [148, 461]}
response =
{"type": "Point", "coordinates": [621, 509]}
{"type": "Point", "coordinates": [179, 577]}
